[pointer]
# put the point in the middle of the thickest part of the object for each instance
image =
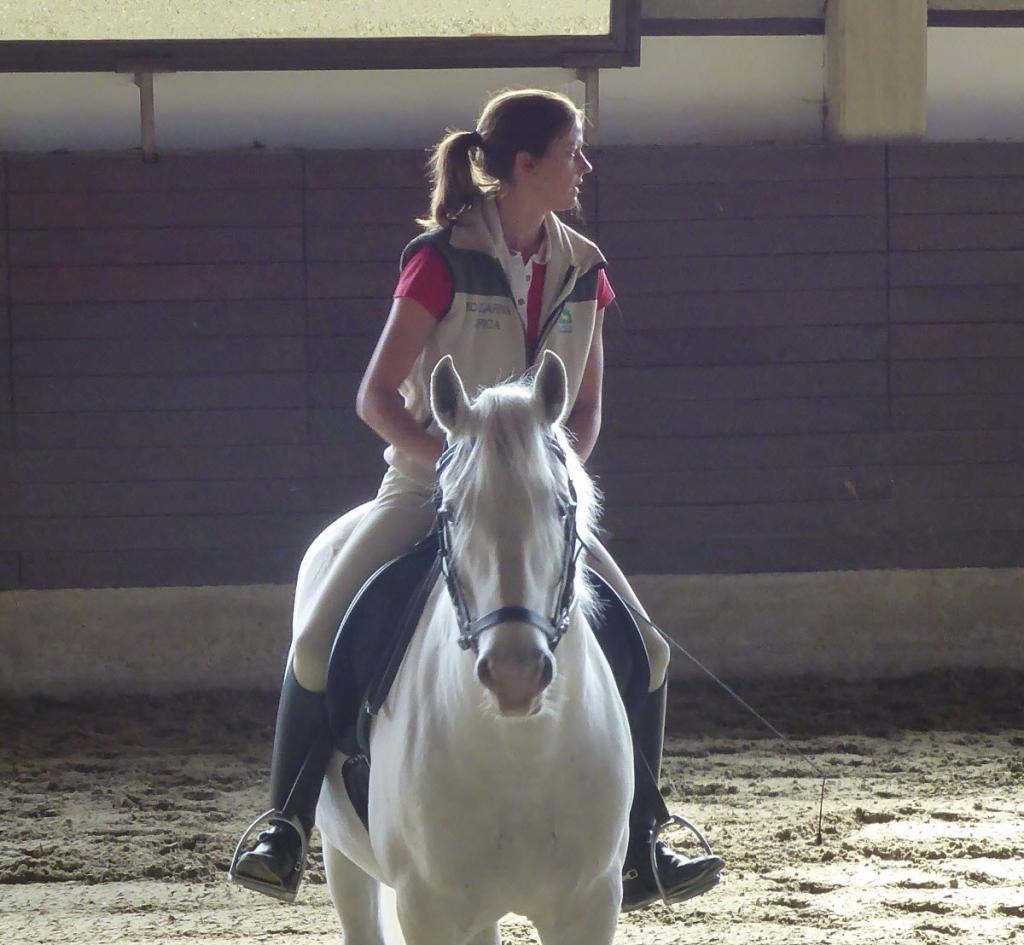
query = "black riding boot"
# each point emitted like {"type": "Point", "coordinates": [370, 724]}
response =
{"type": "Point", "coordinates": [302, 747]}
{"type": "Point", "coordinates": [681, 878]}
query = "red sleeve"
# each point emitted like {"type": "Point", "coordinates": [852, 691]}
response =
{"type": "Point", "coordinates": [605, 292]}
{"type": "Point", "coordinates": [426, 280]}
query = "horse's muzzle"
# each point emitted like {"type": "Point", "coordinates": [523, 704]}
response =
{"type": "Point", "coordinates": [516, 675]}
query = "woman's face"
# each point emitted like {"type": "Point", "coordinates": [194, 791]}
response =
{"type": "Point", "coordinates": [556, 177]}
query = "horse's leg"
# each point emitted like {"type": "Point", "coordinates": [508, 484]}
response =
{"type": "Point", "coordinates": [584, 920]}
{"type": "Point", "coordinates": [356, 898]}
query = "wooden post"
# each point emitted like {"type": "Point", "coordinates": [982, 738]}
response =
{"type": "Point", "coordinates": [876, 69]}
{"type": "Point", "coordinates": [144, 70]}
{"type": "Point", "coordinates": [144, 80]}
{"type": "Point", "coordinates": [590, 77]}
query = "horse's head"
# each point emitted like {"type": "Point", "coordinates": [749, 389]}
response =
{"type": "Point", "coordinates": [513, 500]}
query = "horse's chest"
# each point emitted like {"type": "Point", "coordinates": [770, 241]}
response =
{"type": "Point", "coordinates": [490, 853]}
{"type": "Point", "coordinates": [489, 828]}
{"type": "Point", "coordinates": [495, 812]}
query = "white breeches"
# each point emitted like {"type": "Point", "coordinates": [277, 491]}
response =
{"type": "Point", "coordinates": [349, 550]}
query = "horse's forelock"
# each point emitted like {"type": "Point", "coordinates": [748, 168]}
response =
{"type": "Point", "coordinates": [508, 448]}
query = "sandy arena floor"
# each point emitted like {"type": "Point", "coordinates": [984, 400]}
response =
{"type": "Point", "coordinates": [298, 19]}
{"type": "Point", "coordinates": [120, 816]}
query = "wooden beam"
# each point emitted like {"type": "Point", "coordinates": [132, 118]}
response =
{"type": "Point", "coordinates": [745, 26]}
{"type": "Point", "coordinates": [976, 6]}
{"type": "Point", "coordinates": [470, 52]}
{"type": "Point", "coordinates": [999, 19]}
{"type": "Point", "coordinates": [801, 17]}
{"type": "Point", "coordinates": [733, 9]}
{"type": "Point", "coordinates": [767, 10]}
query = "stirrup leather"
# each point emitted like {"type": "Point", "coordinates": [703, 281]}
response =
{"type": "Point", "coordinates": [697, 889]}
{"type": "Point", "coordinates": [290, 889]}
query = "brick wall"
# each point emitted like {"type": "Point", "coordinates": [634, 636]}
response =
{"type": "Point", "coordinates": [818, 362]}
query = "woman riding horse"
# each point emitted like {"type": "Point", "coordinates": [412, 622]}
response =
{"type": "Point", "coordinates": [496, 280]}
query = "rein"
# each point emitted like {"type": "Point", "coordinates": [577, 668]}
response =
{"type": "Point", "coordinates": [553, 627]}
{"type": "Point", "coordinates": [788, 742]}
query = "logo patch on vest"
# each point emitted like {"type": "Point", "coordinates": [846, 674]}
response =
{"type": "Point", "coordinates": [565, 322]}
{"type": "Point", "coordinates": [487, 308]}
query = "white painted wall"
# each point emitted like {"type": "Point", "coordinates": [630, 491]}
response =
{"type": "Point", "coordinates": [688, 89]}
{"type": "Point", "coordinates": [723, 89]}
{"type": "Point", "coordinates": [975, 84]}
{"type": "Point", "coordinates": [846, 625]}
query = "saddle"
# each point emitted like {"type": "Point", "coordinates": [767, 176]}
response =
{"type": "Point", "coordinates": [375, 634]}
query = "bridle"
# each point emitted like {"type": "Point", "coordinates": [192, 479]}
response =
{"type": "Point", "coordinates": [553, 627]}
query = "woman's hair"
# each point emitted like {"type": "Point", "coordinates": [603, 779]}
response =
{"type": "Point", "coordinates": [466, 165]}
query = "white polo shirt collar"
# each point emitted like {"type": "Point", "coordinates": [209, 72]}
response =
{"type": "Point", "coordinates": [520, 273]}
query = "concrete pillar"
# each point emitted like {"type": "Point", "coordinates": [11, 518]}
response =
{"type": "Point", "coordinates": [875, 69]}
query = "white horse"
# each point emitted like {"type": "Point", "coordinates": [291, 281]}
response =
{"type": "Point", "coordinates": [501, 778]}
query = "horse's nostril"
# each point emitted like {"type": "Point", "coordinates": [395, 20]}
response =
{"type": "Point", "coordinates": [547, 672]}
{"type": "Point", "coordinates": [483, 672]}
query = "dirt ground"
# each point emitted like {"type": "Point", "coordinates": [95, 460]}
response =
{"type": "Point", "coordinates": [249, 19]}
{"type": "Point", "coordinates": [120, 815]}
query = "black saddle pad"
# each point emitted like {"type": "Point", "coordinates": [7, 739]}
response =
{"type": "Point", "coordinates": [373, 637]}
{"type": "Point", "coordinates": [623, 646]}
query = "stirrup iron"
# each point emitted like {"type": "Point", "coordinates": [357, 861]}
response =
{"type": "Point", "coordinates": [290, 889]}
{"type": "Point", "coordinates": [708, 883]}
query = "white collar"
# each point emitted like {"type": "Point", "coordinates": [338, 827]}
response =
{"type": "Point", "coordinates": [493, 222]}
{"type": "Point", "coordinates": [541, 256]}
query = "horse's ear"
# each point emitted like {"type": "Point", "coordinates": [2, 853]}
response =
{"type": "Point", "coordinates": [448, 399]}
{"type": "Point", "coordinates": [550, 388]}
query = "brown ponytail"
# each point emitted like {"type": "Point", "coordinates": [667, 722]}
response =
{"type": "Point", "coordinates": [466, 165]}
{"type": "Point", "coordinates": [455, 185]}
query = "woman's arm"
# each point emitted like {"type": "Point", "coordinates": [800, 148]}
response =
{"type": "Point", "coordinates": [584, 422]}
{"type": "Point", "coordinates": [378, 403]}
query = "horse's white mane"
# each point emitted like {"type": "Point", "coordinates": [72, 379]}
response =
{"type": "Point", "coordinates": [505, 447]}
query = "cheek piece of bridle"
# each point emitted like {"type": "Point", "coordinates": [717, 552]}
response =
{"type": "Point", "coordinates": [553, 627]}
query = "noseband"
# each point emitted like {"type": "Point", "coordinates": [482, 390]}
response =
{"type": "Point", "coordinates": [552, 627]}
